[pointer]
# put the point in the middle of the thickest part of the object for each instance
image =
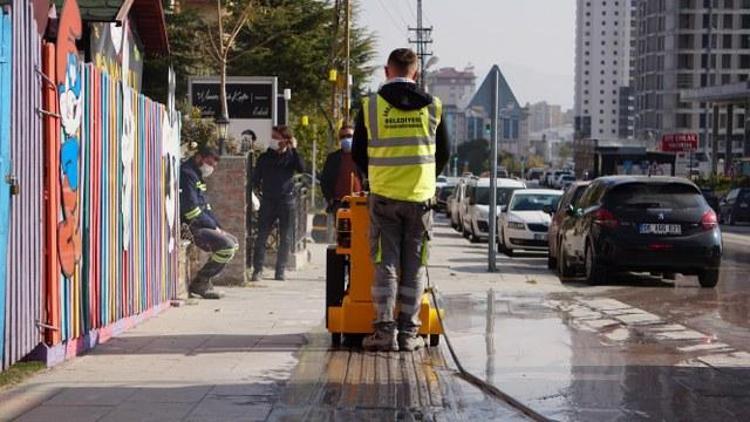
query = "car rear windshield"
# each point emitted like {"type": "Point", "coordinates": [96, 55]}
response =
{"type": "Point", "coordinates": [654, 195]}
{"type": "Point", "coordinates": [534, 202]}
{"type": "Point", "coordinates": [482, 195]}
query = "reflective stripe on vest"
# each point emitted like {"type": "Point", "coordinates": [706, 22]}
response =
{"type": "Point", "coordinates": [401, 149]}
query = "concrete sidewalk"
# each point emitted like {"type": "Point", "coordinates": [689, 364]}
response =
{"type": "Point", "coordinates": [261, 353]}
{"type": "Point", "coordinates": [214, 360]}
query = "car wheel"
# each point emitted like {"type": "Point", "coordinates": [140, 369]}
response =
{"type": "Point", "coordinates": [551, 262]}
{"type": "Point", "coordinates": [501, 243]}
{"type": "Point", "coordinates": [564, 270]}
{"type": "Point", "coordinates": [595, 272]}
{"type": "Point", "coordinates": [709, 278]}
{"type": "Point", "coordinates": [473, 237]}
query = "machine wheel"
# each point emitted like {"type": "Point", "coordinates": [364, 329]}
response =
{"type": "Point", "coordinates": [335, 278]}
{"type": "Point", "coordinates": [709, 278]}
{"type": "Point", "coordinates": [434, 340]}
{"type": "Point", "coordinates": [336, 339]}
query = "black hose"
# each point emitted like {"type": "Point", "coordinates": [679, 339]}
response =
{"type": "Point", "coordinates": [472, 379]}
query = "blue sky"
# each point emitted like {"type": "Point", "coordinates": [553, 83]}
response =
{"type": "Point", "coordinates": [533, 41]}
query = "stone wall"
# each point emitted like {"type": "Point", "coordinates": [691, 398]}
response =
{"type": "Point", "coordinates": [226, 192]}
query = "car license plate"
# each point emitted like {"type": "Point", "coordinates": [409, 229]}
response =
{"type": "Point", "coordinates": [743, 205]}
{"type": "Point", "coordinates": [660, 229]}
{"type": "Point", "coordinates": [539, 236]}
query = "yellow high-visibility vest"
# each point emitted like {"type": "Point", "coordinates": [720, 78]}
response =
{"type": "Point", "coordinates": [401, 149]}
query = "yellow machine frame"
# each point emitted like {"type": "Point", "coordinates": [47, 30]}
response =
{"type": "Point", "coordinates": [350, 308]}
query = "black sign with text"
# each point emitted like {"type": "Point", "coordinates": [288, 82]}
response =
{"type": "Point", "coordinates": [245, 100]}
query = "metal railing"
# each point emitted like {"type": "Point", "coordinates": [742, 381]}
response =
{"type": "Point", "coordinates": [301, 207]}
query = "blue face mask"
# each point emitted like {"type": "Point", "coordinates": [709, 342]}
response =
{"type": "Point", "coordinates": [346, 144]}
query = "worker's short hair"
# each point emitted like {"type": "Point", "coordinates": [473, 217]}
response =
{"type": "Point", "coordinates": [206, 151]}
{"type": "Point", "coordinates": [284, 131]}
{"type": "Point", "coordinates": [403, 60]}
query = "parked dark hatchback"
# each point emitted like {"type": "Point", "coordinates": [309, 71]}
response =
{"type": "Point", "coordinates": [570, 197]}
{"type": "Point", "coordinates": [642, 224]}
{"type": "Point", "coordinates": [735, 207]}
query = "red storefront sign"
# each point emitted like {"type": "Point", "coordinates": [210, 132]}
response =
{"type": "Point", "coordinates": [679, 142]}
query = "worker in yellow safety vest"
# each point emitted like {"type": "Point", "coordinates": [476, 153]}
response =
{"type": "Point", "coordinates": [401, 144]}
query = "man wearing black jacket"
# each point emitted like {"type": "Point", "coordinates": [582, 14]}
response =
{"type": "Point", "coordinates": [273, 178]}
{"type": "Point", "coordinates": [204, 226]}
{"type": "Point", "coordinates": [339, 177]}
{"type": "Point", "coordinates": [401, 144]}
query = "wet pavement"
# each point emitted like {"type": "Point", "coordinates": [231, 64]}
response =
{"type": "Point", "coordinates": [636, 348]}
{"type": "Point", "coordinates": [347, 383]}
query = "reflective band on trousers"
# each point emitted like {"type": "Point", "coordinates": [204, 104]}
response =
{"type": "Point", "coordinates": [195, 212]}
{"type": "Point", "coordinates": [401, 149]}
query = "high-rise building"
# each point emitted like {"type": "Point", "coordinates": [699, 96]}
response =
{"type": "Point", "coordinates": [603, 94]}
{"type": "Point", "coordinates": [544, 116]}
{"type": "Point", "coordinates": [454, 88]}
{"type": "Point", "coordinates": [689, 44]}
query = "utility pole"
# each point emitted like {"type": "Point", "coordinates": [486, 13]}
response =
{"type": "Point", "coordinates": [422, 41]}
{"type": "Point", "coordinates": [347, 68]}
{"type": "Point", "coordinates": [492, 223]}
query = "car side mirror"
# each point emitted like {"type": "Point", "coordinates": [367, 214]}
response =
{"type": "Point", "coordinates": [571, 211]}
{"type": "Point", "coordinates": [548, 209]}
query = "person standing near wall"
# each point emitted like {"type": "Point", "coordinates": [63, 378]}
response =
{"type": "Point", "coordinates": [339, 177]}
{"type": "Point", "coordinates": [273, 178]}
{"type": "Point", "coordinates": [204, 227]}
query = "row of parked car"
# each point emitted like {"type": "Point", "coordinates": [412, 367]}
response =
{"type": "Point", "coordinates": [614, 224]}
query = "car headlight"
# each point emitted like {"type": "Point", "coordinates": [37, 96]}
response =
{"type": "Point", "coordinates": [516, 225]}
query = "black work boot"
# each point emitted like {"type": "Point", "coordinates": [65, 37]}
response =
{"type": "Point", "coordinates": [279, 276]}
{"type": "Point", "coordinates": [257, 275]}
{"type": "Point", "coordinates": [204, 289]}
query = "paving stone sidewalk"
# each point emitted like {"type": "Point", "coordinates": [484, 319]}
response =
{"type": "Point", "coordinates": [211, 360]}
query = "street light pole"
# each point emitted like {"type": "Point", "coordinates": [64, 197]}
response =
{"type": "Point", "coordinates": [492, 223]}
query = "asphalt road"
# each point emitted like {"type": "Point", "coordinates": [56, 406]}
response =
{"type": "Point", "coordinates": [634, 348]}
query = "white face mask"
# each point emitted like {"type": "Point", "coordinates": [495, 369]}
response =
{"type": "Point", "coordinates": [274, 144]}
{"type": "Point", "coordinates": [207, 170]}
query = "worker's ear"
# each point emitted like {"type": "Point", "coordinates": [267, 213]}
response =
{"type": "Point", "coordinates": [417, 75]}
{"type": "Point", "coordinates": [387, 74]}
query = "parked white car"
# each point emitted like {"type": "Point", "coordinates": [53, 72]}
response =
{"type": "Point", "coordinates": [477, 205]}
{"type": "Point", "coordinates": [455, 203]}
{"type": "Point", "coordinates": [526, 222]}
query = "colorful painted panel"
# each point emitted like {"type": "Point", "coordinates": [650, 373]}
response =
{"type": "Point", "coordinates": [25, 247]}
{"type": "Point", "coordinates": [6, 54]}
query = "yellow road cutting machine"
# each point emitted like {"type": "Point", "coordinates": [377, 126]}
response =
{"type": "Point", "coordinates": [349, 277]}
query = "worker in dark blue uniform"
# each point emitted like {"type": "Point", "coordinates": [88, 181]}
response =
{"type": "Point", "coordinates": [204, 227]}
{"type": "Point", "coordinates": [273, 178]}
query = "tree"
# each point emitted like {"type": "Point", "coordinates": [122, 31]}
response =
{"type": "Point", "coordinates": [229, 22]}
{"type": "Point", "coordinates": [475, 155]}
{"type": "Point", "coordinates": [564, 154]}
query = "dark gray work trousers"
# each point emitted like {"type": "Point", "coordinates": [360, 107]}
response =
{"type": "Point", "coordinates": [222, 246]}
{"type": "Point", "coordinates": [272, 210]}
{"type": "Point", "coordinates": [399, 232]}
